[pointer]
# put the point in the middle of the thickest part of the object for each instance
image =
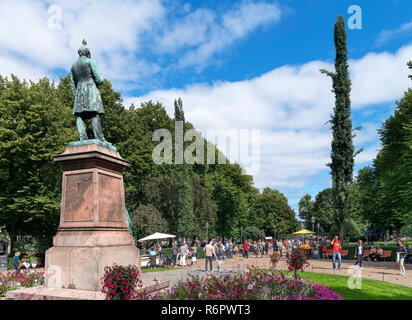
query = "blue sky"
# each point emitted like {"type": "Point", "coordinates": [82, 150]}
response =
{"type": "Point", "coordinates": [236, 64]}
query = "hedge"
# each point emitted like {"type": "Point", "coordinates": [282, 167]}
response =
{"type": "Point", "coordinates": [200, 252]}
{"type": "Point", "coordinates": [351, 253]}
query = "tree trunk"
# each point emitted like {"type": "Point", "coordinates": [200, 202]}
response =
{"type": "Point", "coordinates": [341, 230]}
{"type": "Point", "coordinates": [13, 239]}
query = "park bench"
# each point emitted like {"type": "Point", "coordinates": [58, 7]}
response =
{"type": "Point", "coordinates": [147, 261]}
{"type": "Point", "coordinates": [343, 253]}
{"type": "Point", "coordinates": [328, 253]}
{"type": "Point", "coordinates": [144, 260]}
{"type": "Point", "coordinates": [386, 254]}
{"type": "Point", "coordinates": [366, 254]}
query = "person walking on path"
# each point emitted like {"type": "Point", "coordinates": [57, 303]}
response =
{"type": "Point", "coordinates": [16, 261]}
{"type": "Point", "coordinates": [219, 250]}
{"type": "Point", "coordinates": [281, 247]}
{"type": "Point", "coordinates": [183, 253]}
{"type": "Point", "coordinates": [324, 248]}
{"type": "Point", "coordinates": [228, 250]}
{"type": "Point", "coordinates": [174, 252]}
{"type": "Point", "coordinates": [275, 246]}
{"type": "Point", "coordinates": [209, 254]}
{"type": "Point", "coordinates": [290, 248]}
{"type": "Point", "coordinates": [359, 253]}
{"type": "Point", "coordinates": [194, 256]}
{"type": "Point", "coordinates": [402, 255]}
{"type": "Point", "coordinates": [231, 249]}
{"type": "Point", "coordinates": [245, 250]}
{"type": "Point", "coordinates": [336, 247]}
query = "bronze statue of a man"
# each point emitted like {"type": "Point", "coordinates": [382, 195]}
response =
{"type": "Point", "coordinates": [84, 79]}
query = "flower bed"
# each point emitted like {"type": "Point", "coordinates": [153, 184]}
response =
{"type": "Point", "coordinates": [255, 284]}
{"type": "Point", "coordinates": [15, 280]}
{"type": "Point", "coordinates": [120, 283]}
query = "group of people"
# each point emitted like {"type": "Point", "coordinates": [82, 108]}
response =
{"type": "Point", "coordinates": [220, 250]}
{"type": "Point", "coordinates": [181, 251]}
{"type": "Point", "coordinates": [31, 262]}
{"type": "Point", "coordinates": [259, 248]}
{"type": "Point", "coordinates": [376, 252]}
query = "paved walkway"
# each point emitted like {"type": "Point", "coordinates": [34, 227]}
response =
{"type": "Point", "coordinates": [386, 271]}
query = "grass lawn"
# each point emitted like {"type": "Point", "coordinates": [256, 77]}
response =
{"type": "Point", "coordinates": [159, 269]}
{"type": "Point", "coordinates": [371, 289]}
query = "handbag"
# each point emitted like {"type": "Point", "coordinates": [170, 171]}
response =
{"type": "Point", "coordinates": [397, 257]}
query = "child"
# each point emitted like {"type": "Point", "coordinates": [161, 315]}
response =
{"type": "Point", "coordinates": [219, 265]}
{"type": "Point", "coordinates": [194, 256]}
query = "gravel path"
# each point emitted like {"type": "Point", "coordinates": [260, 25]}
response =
{"type": "Point", "coordinates": [386, 271]}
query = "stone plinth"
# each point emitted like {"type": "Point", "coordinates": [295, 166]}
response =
{"type": "Point", "coordinates": [43, 293]}
{"type": "Point", "coordinates": [92, 233]}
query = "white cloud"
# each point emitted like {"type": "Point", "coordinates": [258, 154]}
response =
{"type": "Point", "coordinates": [211, 35]}
{"type": "Point", "coordinates": [112, 29]}
{"type": "Point", "coordinates": [386, 35]}
{"type": "Point", "coordinates": [121, 33]}
{"type": "Point", "coordinates": [290, 105]}
{"type": "Point", "coordinates": [368, 154]}
{"type": "Point", "coordinates": [380, 77]}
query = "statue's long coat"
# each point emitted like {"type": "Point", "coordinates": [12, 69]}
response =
{"type": "Point", "coordinates": [84, 79]}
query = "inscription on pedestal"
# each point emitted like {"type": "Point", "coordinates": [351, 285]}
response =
{"type": "Point", "coordinates": [79, 197]}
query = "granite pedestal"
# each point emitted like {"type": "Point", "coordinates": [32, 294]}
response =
{"type": "Point", "coordinates": [92, 233]}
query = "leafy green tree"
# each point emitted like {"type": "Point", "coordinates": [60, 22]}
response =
{"type": "Point", "coordinates": [342, 153]}
{"type": "Point", "coordinates": [306, 206]}
{"type": "Point", "coordinates": [392, 166]}
{"type": "Point", "coordinates": [34, 127]}
{"type": "Point", "coordinates": [147, 220]}
{"type": "Point", "coordinates": [185, 216]}
{"type": "Point", "coordinates": [323, 209]}
{"type": "Point", "coordinates": [204, 208]}
{"type": "Point", "coordinates": [275, 213]}
{"type": "Point", "coordinates": [370, 197]}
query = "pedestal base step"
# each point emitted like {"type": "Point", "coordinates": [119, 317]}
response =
{"type": "Point", "coordinates": [43, 293]}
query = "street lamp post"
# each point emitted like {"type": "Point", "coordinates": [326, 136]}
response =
{"type": "Point", "coordinates": [313, 223]}
{"type": "Point", "coordinates": [207, 232]}
{"type": "Point", "coordinates": [318, 238]}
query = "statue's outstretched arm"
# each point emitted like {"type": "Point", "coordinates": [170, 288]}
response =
{"type": "Point", "coordinates": [97, 76]}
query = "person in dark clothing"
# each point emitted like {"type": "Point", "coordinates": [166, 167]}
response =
{"type": "Point", "coordinates": [359, 253]}
{"type": "Point", "coordinates": [174, 252]}
{"type": "Point", "coordinates": [16, 261]}
{"type": "Point", "coordinates": [402, 252]}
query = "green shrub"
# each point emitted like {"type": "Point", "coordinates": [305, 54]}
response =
{"type": "Point", "coordinates": [200, 252]}
{"type": "Point", "coordinates": [351, 253]}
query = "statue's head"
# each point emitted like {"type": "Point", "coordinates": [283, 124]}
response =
{"type": "Point", "coordinates": [84, 50]}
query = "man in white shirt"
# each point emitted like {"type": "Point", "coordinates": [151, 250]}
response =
{"type": "Point", "coordinates": [183, 253]}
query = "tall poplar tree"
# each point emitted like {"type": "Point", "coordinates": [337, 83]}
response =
{"type": "Point", "coordinates": [185, 216]}
{"type": "Point", "coordinates": [342, 153]}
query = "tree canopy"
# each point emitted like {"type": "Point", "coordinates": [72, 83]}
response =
{"type": "Point", "coordinates": [36, 123]}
